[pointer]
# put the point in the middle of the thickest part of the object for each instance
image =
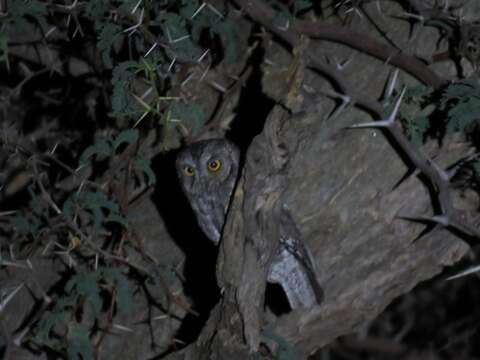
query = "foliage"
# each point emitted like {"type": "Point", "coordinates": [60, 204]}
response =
{"type": "Point", "coordinates": [446, 111]}
{"type": "Point", "coordinates": [128, 57]}
{"type": "Point", "coordinates": [84, 287]}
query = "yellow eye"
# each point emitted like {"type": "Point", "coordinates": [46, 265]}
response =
{"type": "Point", "coordinates": [189, 171]}
{"type": "Point", "coordinates": [214, 165]}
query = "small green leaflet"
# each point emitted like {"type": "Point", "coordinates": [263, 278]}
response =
{"type": "Point", "coordinates": [190, 114]}
{"type": "Point", "coordinates": [101, 148]}
{"type": "Point", "coordinates": [85, 284]}
{"type": "Point", "coordinates": [107, 34]}
{"type": "Point", "coordinates": [122, 76]}
{"type": "Point", "coordinates": [125, 137]}
{"type": "Point", "coordinates": [124, 297]}
{"type": "Point", "coordinates": [107, 147]}
{"type": "Point", "coordinates": [462, 101]}
{"type": "Point", "coordinates": [98, 204]}
{"type": "Point", "coordinates": [144, 166]}
{"type": "Point", "coordinates": [79, 346]}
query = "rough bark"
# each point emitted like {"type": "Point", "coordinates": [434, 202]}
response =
{"type": "Point", "coordinates": [339, 184]}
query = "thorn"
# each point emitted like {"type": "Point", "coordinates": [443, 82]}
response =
{"type": "Point", "coordinates": [214, 10]}
{"type": "Point", "coordinates": [413, 16]}
{"type": "Point", "coordinates": [123, 328]}
{"type": "Point", "coordinates": [7, 213]}
{"type": "Point", "coordinates": [75, 32]}
{"type": "Point", "coordinates": [466, 272]}
{"type": "Point", "coordinates": [284, 27]}
{"type": "Point", "coordinates": [12, 264]}
{"type": "Point", "coordinates": [379, 7]}
{"type": "Point", "coordinates": [204, 73]}
{"type": "Point", "coordinates": [269, 62]}
{"type": "Point", "coordinates": [346, 100]}
{"type": "Point", "coordinates": [12, 254]}
{"type": "Point", "coordinates": [160, 317]}
{"type": "Point", "coordinates": [428, 228]}
{"type": "Point", "coordinates": [17, 341]}
{"type": "Point", "coordinates": [81, 186]}
{"type": "Point", "coordinates": [382, 123]}
{"type": "Point", "coordinates": [391, 85]}
{"type": "Point", "coordinates": [410, 172]}
{"type": "Point", "coordinates": [443, 174]}
{"type": "Point", "coordinates": [189, 77]}
{"type": "Point", "coordinates": [200, 8]}
{"type": "Point", "coordinates": [10, 296]}
{"type": "Point", "coordinates": [371, 124]}
{"type": "Point", "coordinates": [54, 148]}
{"type": "Point", "coordinates": [393, 115]}
{"type": "Point", "coordinates": [437, 219]}
{"type": "Point", "coordinates": [342, 65]}
{"type": "Point", "coordinates": [46, 248]}
{"type": "Point", "coordinates": [171, 64]}
{"type": "Point", "coordinates": [203, 55]}
{"type": "Point", "coordinates": [49, 32]}
{"type": "Point", "coordinates": [169, 36]}
{"type": "Point", "coordinates": [151, 49]}
{"type": "Point", "coordinates": [131, 30]}
{"type": "Point", "coordinates": [181, 38]}
{"type": "Point", "coordinates": [219, 87]}
{"type": "Point", "coordinates": [146, 93]}
{"type": "Point", "coordinates": [136, 7]}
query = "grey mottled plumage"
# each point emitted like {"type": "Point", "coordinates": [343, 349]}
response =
{"type": "Point", "coordinates": [208, 171]}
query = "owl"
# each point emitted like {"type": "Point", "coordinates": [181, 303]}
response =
{"type": "Point", "coordinates": [208, 172]}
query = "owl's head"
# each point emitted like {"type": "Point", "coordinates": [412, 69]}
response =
{"type": "Point", "coordinates": [208, 171]}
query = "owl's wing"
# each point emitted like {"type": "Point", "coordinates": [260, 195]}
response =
{"type": "Point", "coordinates": [293, 268]}
{"type": "Point", "coordinates": [288, 271]}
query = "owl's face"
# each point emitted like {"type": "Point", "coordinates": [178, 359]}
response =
{"type": "Point", "coordinates": [208, 171]}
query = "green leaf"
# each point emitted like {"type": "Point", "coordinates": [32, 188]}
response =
{"type": "Point", "coordinates": [107, 34]}
{"type": "Point", "coordinates": [126, 136]}
{"type": "Point", "coordinates": [46, 325]}
{"type": "Point", "coordinates": [461, 101]}
{"type": "Point", "coordinates": [227, 32]}
{"type": "Point", "coordinates": [144, 166]}
{"type": "Point", "coordinates": [190, 114]}
{"type": "Point", "coordinates": [96, 9]}
{"type": "Point", "coordinates": [101, 148]}
{"type": "Point", "coordinates": [84, 284]}
{"type": "Point", "coordinates": [122, 76]}
{"type": "Point", "coordinates": [79, 346]}
{"type": "Point", "coordinates": [22, 8]}
{"type": "Point", "coordinates": [417, 128]}
{"type": "Point", "coordinates": [124, 293]}
{"type": "Point", "coordinates": [97, 204]}
{"type": "Point", "coordinates": [301, 5]}
{"type": "Point", "coordinates": [117, 218]}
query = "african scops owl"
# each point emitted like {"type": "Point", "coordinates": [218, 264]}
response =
{"type": "Point", "coordinates": [208, 172]}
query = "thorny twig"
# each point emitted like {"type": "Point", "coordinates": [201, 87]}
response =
{"type": "Point", "coordinates": [265, 15]}
{"type": "Point", "coordinates": [439, 179]}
